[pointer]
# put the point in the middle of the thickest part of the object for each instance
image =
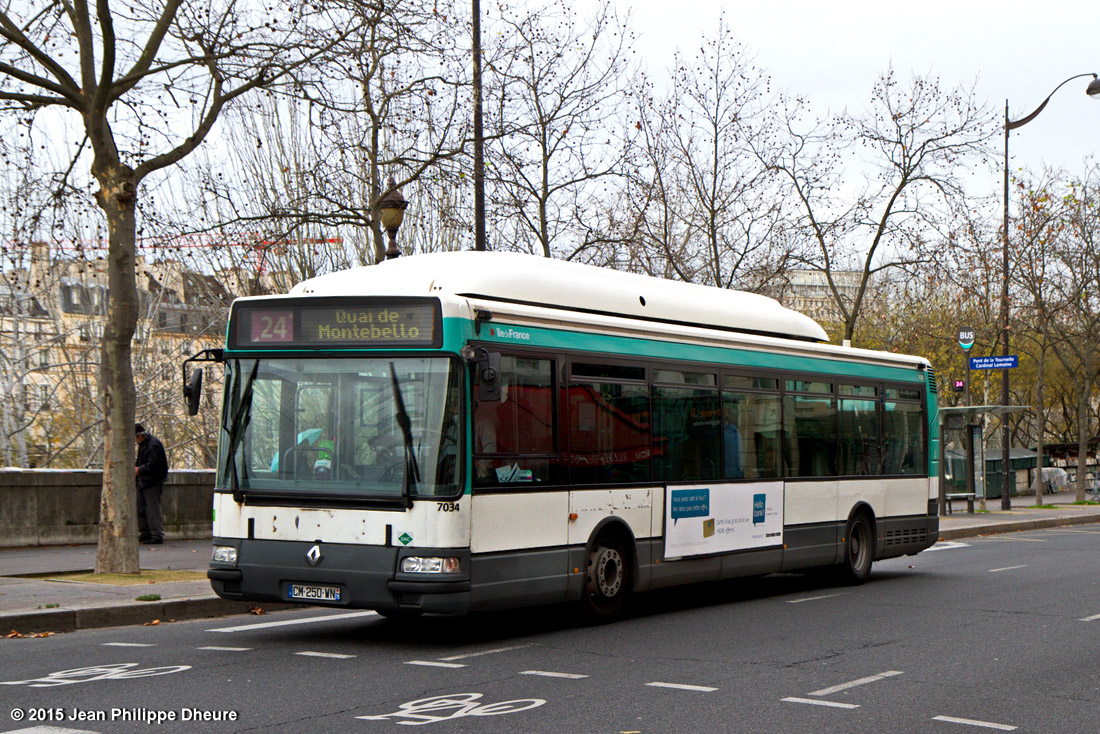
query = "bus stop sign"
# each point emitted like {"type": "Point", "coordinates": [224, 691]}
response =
{"type": "Point", "coordinates": [966, 337]}
{"type": "Point", "coordinates": [1006, 362]}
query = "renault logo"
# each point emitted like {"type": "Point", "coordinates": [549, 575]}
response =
{"type": "Point", "coordinates": [314, 555]}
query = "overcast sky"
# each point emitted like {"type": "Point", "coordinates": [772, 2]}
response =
{"type": "Point", "coordinates": [831, 52]}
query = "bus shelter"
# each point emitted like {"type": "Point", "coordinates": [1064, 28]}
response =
{"type": "Point", "coordinates": [959, 430]}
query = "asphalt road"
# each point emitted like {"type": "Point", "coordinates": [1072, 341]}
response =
{"type": "Point", "coordinates": [998, 633]}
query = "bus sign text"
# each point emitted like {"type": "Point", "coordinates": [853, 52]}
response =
{"type": "Point", "coordinates": [340, 325]}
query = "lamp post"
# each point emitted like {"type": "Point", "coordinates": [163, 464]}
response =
{"type": "Point", "coordinates": [1093, 90]}
{"type": "Point", "coordinates": [391, 209]}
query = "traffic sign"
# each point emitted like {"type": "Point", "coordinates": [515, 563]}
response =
{"type": "Point", "coordinates": [966, 337]}
{"type": "Point", "coordinates": [1005, 362]}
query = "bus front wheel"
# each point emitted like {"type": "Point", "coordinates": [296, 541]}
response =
{"type": "Point", "coordinates": [859, 550]}
{"type": "Point", "coordinates": [607, 579]}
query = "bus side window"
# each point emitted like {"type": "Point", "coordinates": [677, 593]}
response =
{"type": "Point", "coordinates": [514, 435]}
{"type": "Point", "coordinates": [686, 435]}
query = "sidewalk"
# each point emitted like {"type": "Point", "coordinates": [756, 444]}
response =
{"type": "Point", "coordinates": [28, 597]}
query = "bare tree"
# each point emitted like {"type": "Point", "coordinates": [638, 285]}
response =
{"type": "Point", "coordinates": [910, 150]}
{"type": "Point", "coordinates": [553, 87]}
{"type": "Point", "coordinates": [308, 166]}
{"type": "Point", "coordinates": [1074, 241]}
{"type": "Point", "coordinates": [704, 209]}
{"type": "Point", "coordinates": [142, 89]}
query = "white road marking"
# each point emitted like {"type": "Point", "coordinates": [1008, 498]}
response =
{"type": "Point", "coordinates": [287, 622]}
{"type": "Point", "coordinates": [548, 674]}
{"type": "Point", "coordinates": [1093, 618]}
{"type": "Point", "coordinates": [1067, 530]}
{"type": "Point", "coordinates": [814, 598]}
{"type": "Point", "coordinates": [334, 655]}
{"type": "Point", "coordinates": [50, 730]}
{"type": "Point", "coordinates": [989, 538]}
{"type": "Point", "coordinates": [226, 649]}
{"type": "Point", "coordinates": [974, 722]}
{"type": "Point", "coordinates": [485, 652]}
{"type": "Point", "coordinates": [1006, 568]}
{"type": "Point", "coordinates": [819, 702]}
{"type": "Point", "coordinates": [127, 644]}
{"type": "Point", "coordinates": [434, 664]}
{"type": "Point", "coordinates": [854, 683]}
{"type": "Point", "coordinates": [946, 545]}
{"type": "Point", "coordinates": [682, 687]}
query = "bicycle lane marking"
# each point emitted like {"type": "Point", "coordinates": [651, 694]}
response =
{"type": "Point", "coordinates": [114, 671]}
{"type": "Point", "coordinates": [430, 710]}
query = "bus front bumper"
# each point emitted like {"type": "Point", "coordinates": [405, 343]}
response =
{"type": "Point", "coordinates": [338, 575]}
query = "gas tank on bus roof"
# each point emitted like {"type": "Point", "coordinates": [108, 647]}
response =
{"type": "Point", "coordinates": [519, 278]}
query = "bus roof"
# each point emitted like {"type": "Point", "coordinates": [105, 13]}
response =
{"type": "Point", "coordinates": [519, 278]}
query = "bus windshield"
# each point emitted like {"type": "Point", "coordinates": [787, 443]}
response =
{"type": "Point", "coordinates": [356, 427]}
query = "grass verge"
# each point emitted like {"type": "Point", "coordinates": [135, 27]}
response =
{"type": "Point", "coordinates": [148, 576]}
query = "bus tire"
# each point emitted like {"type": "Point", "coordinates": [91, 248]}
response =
{"type": "Point", "coordinates": [607, 580]}
{"type": "Point", "coordinates": [859, 550]}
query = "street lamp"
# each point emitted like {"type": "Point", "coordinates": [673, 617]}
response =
{"type": "Point", "coordinates": [1093, 90]}
{"type": "Point", "coordinates": [392, 210]}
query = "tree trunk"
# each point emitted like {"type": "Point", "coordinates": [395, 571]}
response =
{"type": "Point", "coordinates": [1082, 444]}
{"type": "Point", "coordinates": [118, 541]}
{"type": "Point", "coordinates": [1040, 484]}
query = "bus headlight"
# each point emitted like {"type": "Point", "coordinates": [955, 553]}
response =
{"type": "Point", "coordinates": [421, 564]}
{"type": "Point", "coordinates": [224, 554]}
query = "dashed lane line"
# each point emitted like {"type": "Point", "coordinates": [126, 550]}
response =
{"type": "Point", "coordinates": [333, 655]}
{"type": "Point", "coordinates": [549, 674]}
{"type": "Point", "coordinates": [856, 683]}
{"type": "Point", "coordinates": [682, 687]}
{"type": "Point", "coordinates": [814, 598]}
{"type": "Point", "coordinates": [820, 702]}
{"type": "Point", "coordinates": [1093, 618]}
{"type": "Point", "coordinates": [434, 664]}
{"type": "Point", "coordinates": [218, 648]}
{"type": "Point", "coordinates": [127, 644]}
{"type": "Point", "coordinates": [974, 722]}
{"type": "Point", "coordinates": [486, 652]}
{"type": "Point", "coordinates": [1006, 568]}
{"type": "Point", "coordinates": [288, 622]}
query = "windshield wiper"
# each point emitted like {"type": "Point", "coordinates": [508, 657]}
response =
{"type": "Point", "coordinates": [412, 469]}
{"type": "Point", "coordinates": [240, 419]}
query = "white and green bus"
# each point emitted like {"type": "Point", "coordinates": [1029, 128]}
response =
{"type": "Point", "coordinates": [468, 431]}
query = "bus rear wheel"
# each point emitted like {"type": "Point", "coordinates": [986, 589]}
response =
{"type": "Point", "coordinates": [859, 550]}
{"type": "Point", "coordinates": [607, 579]}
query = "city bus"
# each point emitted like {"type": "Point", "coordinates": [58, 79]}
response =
{"type": "Point", "coordinates": [467, 431]}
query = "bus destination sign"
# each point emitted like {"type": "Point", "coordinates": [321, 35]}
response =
{"type": "Point", "coordinates": [347, 324]}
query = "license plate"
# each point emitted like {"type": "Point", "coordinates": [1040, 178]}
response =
{"type": "Point", "coordinates": [314, 593]}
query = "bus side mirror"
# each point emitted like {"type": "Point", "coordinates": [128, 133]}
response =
{"type": "Point", "coordinates": [192, 391]}
{"type": "Point", "coordinates": [192, 388]}
{"type": "Point", "coordinates": [488, 376]}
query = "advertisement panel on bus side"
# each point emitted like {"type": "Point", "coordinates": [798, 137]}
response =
{"type": "Point", "coordinates": [719, 518]}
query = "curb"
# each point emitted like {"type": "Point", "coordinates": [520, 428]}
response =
{"type": "Point", "coordinates": [68, 620]}
{"type": "Point", "coordinates": [1017, 526]}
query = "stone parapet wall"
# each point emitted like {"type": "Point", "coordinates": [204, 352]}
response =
{"type": "Point", "coordinates": [58, 506]}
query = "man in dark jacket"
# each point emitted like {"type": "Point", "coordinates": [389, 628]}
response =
{"type": "Point", "coordinates": [150, 470]}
